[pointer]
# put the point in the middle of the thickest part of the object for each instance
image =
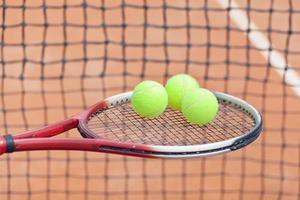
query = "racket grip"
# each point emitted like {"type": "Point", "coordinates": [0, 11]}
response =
{"type": "Point", "coordinates": [7, 144]}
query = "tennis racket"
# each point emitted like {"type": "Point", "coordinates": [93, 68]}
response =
{"type": "Point", "coordinates": [111, 126]}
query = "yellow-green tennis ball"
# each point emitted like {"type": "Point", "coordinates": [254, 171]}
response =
{"type": "Point", "coordinates": [177, 86]}
{"type": "Point", "coordinates": [200, 106]}
{"type": "Point", "coordinates": [149, 99]}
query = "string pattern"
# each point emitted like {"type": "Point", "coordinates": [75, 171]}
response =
{"type": "Point", "coordinates": [122, 123]}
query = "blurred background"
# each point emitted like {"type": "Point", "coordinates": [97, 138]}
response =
{"type": "Point", "coordinates": [58, 57]}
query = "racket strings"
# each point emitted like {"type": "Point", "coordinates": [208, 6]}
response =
{"type": "Point", "coordinates": [122, 124]}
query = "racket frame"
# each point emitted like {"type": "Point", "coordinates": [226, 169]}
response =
{"type": "Point", "coordinates": [38, 139]}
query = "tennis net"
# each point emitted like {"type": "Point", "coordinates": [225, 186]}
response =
{"type": "Point", "coordinates": [58, 57]}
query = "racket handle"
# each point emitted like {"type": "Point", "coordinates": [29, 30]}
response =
{"type": "Point", "coordinates": [7, 144]}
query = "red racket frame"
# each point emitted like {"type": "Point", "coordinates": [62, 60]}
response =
{"type": "Point", "coordinates": [39, 139]}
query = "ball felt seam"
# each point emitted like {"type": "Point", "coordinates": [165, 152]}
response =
{"type": "Point", "coordinates": [200, 106]}
{"type": "Point", "coordinates": [195, 102]}
{"type": "Point", "coordinates": [176, 88]}
{"type": "Point", "coordinates": [149, 99]}
{"type": "Point", "coordinates": [148, 106]}
{"type": "Point", "coordinates": [147, 109]}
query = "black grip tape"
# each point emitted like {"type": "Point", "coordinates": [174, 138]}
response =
{"type": "Point", "coordinates": [10, 145]}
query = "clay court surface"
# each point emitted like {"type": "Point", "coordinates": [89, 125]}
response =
{"type": "Point", "coordinates": [51, 72]}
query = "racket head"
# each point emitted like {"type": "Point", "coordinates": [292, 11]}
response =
{"type": "Point", "coordinates": [122, 131]}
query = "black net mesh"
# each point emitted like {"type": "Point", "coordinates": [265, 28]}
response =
{"type": "Point", "coordinates": [58, 57]}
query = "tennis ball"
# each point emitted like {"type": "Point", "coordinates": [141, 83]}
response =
{"type": "Point", "coordinates": [149, 99]}
{"type": "Point", "coordinates": [200, 106]}
{"type": "Point", "coordinates": [177, 86]}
